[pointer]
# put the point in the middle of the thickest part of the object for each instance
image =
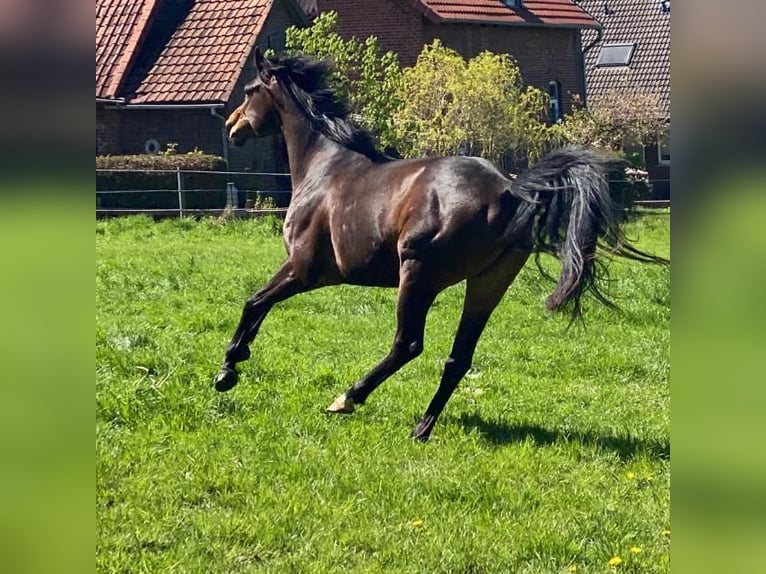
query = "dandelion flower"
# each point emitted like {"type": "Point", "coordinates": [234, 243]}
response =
{"type": "Point", "coordinates": [666, 532]}
{"type": "Point", "coordinates": [572, 568]}
{"type": "Point", "coordinates": [417, 523]}
{"type": "Point", "coordinates": [636, 549]}
{"type": "Point", "coordinates": [615, 561]}
{"type": "Point", "coordinates": [631, 475]}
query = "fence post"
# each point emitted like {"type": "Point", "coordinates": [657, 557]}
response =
{"type": "Point", "coordinates": [180, 187]}
{"type": "Point", "coordinates": [232, 196]}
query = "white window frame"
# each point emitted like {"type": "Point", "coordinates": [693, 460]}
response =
{"type": "Point", "coordinates": [631, 53]}
{"type": "Point", "coordinates": [660, 159]}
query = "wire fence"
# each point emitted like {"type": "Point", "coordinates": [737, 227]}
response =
{"type": "Point", "coordinates": [163, 192]}
{"type": "Point", "coordinates": [179, 193]}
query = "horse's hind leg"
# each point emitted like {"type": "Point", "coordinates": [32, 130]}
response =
{"type": "Point", "coordinates": [483, 293]}
{"type": "Point", "coordinates": [284, 284]}
{"type": "Point", "coordinates": [412, 307]}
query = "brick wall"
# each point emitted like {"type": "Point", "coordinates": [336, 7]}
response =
{"type": "Point", "coordinates": [396, 23]}
{"type": "Point", "coordinates": [188, 128]}
{"type": "Point", "coordinates": [543, 54]}
{"type": "Point", "coordinates": [107, 131]}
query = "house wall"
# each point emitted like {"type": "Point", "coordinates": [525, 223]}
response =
{"type": "Point", "coordinates": [107, 131]}
{"type": "Point", "coordinates": [189, 128]}
{"type": "Point", "coordinates": [543, 54]}
{"type": "Point", "coordinates": [659, 174]}
{"type": "Point", "coordinates": [396, 23]}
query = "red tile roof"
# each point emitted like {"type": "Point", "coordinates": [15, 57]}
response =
{"type": "Point", "coordinates": [639, 21]}
{"type": "Point", "coordinates": [531, 12]}
{"type": "Point", "coordinates": [204, 57]}
{"type": "Point", "coordinates": [184, 51]}
{"type": "Point", "coordinates": [120, 25]}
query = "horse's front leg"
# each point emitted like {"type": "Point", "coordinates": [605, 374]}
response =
{"type": "Point", "coordinates": [285, 283]}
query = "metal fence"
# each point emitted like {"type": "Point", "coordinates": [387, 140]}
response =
{"type": "Point", "coordinates": [178, 192]}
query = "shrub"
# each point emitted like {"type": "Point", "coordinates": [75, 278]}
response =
{"type": "Point", "coordinates": [364, 74]}
{"type": "Point", "coordinates": [615, 120]}
{"type": "Point", "coordinates": [480, 106]}
{"type": "Point", "coordinates": [206, 190]}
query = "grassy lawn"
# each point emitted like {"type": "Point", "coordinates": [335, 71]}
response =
{"type": "Point", "coordinates": [552, 456]}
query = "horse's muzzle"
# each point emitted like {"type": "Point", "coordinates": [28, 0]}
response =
{"type": "Point", "coordinates": [240, 132]}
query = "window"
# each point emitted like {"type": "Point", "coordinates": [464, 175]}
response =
{"type": "Point", "coordinates": [554, 93]}
{"type": "Point", "coordinates": [663, 147]}
{"type": "Point", "coordinates": [615, 55]}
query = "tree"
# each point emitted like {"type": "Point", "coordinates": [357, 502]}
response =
{"type": "Point", "coordinates": [615, 120]}
{"type": "Point", "coordinates": [482, 105]}
{"type": "Point", "coordinates": [367, 77]}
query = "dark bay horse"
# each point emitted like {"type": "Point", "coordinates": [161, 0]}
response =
{"type": "Point", "coordinates": [419, 225]}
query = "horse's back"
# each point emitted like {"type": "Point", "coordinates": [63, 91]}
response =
{"type": "Point", "coordinates": [448, 212]}
{"type": "Point", "coordinates": [452, 213]}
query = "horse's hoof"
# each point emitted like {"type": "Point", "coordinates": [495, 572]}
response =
{"type": "Point", "coordinates": [342, 405]}
{"type": "Point", "coordinates": [422, 431]}
{"type": "Point", "coordinates": [225, 379]}
{"type": "Point", "coordinates": [420, 437]}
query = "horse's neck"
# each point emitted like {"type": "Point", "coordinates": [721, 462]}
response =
{"type": "Point", "coordinates": [305, 148]}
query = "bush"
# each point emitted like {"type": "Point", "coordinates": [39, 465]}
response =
{"type": "Point", "coordinates": [364, 74]}
{"type": "Point", "coordinates": [192, 161]}
{"type": "Point", "coordinates": [627, 185]}
{"type": "Point", "coordinates": [478, 107]}
{"type": "Point", "coordinates": [206, 190]}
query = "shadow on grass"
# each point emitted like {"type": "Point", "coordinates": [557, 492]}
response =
{"type": "Point", "coordinates": [499, 433]}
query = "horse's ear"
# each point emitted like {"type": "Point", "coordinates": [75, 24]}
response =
{"type": "Point", "coordinates": [259, 59]}
{"type": "Point", "coordinates": [262, 65]}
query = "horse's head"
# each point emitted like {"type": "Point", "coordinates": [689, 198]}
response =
{"type": "Point", "coordinates": [256, 116]}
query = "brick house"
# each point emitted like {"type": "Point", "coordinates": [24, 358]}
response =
{"type": "Point", "coordinates": [170, 71]}
{"type": "Point", "coordinates": [633, 53]}
{"type": "Point", "coordinates": [542, 35]}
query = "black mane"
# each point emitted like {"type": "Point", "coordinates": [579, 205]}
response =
{"type": "Point", "coordinates": [306, 80]}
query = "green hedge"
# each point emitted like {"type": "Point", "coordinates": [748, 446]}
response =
{"type": "Point", "coordinates": [212, 185]}
{"type": "Point", "coordinates": [192, 161]}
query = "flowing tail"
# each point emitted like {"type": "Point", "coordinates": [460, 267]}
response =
{"type": "Point", "coordinates": [570, 213]}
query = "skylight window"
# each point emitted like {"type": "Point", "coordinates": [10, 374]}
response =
{"type": "Point", "coordinates": [615, 55]}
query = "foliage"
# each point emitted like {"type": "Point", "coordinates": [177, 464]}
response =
{"type": "Point", "coordinates": [167, 159]}
{"type": "Point", "coordinates": [366, 76]}
{"type": "Point", "coordinates": [206, 190]}
{"type": "Point", "coordinates": [616, 120]}
{"type": "Point", "coordinates": [482, 105]}
{"type": "Point", "coordinates": [445, 105]}
{"type": "Point", "coordinates": [554, 451]}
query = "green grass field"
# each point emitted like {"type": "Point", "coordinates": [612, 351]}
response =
{"type": "Point", "coordinates": [552, 456]}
